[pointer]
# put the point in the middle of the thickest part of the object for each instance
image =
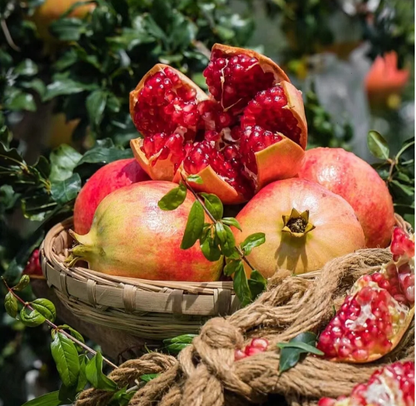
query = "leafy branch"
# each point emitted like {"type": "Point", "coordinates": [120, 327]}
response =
{"type": "Point", "coordinates": [216, 238]}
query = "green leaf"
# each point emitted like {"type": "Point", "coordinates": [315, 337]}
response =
{"type": "Point", "coordinates": [31, 319]}
{"type": "Point", "coordinates": [67, 29]}
{"type": "Point", "coordinates": [95, 376]}
{"type": "Point", "coordinates": [231, 221]}
{"type": "Point", "coordinates": [184, 338]}
{"type": "Point", "coordinates": [252, 241]}
{"type": "Point", "coordinates": [241, 288]}
{"type": "Point", "coordinates": [226, 238]}
{"type": "Point", "coordinates": [95, 104]}
{"type": "Point", "coordinates": [67, 394]}
{"type": "Point", "coordinates": [210, 249]}
{"type": "Point", "coordinates": [378, 145]}
{"type": "Point", "coordinates": [195, 178]}
{"type": "Point", "coordinates": [257, 284]}
{"type": "Point", "coordinates": [174, 198]}
{"type": "Point", "coordinates": [65, 86]}
{"type": "Point", "coordinates": [66, 190]}
{"type": "Point", "coordinates": [66, 359]}
{"type": "Point", "coordinates": [214, 205]}
{"type": "Point", "coordinates": [24, 281]}
{"type": "Point", "coordinates": [288, 359]}
{"type": "Point", "coordinates": [121, 397]}
{"type": "Point", "coordinates": [45, 307]}
{"type": "Point", "coordinates": [104, 152]}
{"type": "Point", "coordinates": [194, 226]}
{"type": "Point", "coordinates": [113, 103]}
{"type": "Point", "coordinates": [148, 377]}
{"type": "Point", "coordinates": [232, 267]}
{"type": "Point", "coordinates": [63, 159]}
{"type": "Point", "coordinates": [21, 101]}
{"type": "Point", "coordinates": [50, 399]}
{"type": "Point", "coordinates": [407, 190]}
{"type": "Point", "coordinates": [176, 348]}
{"type": "Point", "coordinates": [26, 68]}
{"type": "Point", "coordinates": [35, 84]}
{"type": "Point", "coordinates": [301, 346]}
{"type": "Point", "coordinates": [11, 305]}
{"type": "Point", "coordinates": [74, 333]}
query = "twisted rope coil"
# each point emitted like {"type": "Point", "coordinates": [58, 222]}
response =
{"type": "Point", "coordinates": [205, 373]}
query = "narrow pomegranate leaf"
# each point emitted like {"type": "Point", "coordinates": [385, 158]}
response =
{"type": "Point", "coordinates": [301, 346]}
{"type": "Point", "coordinates": [252, 241]}
{"type": "Point", "coordinates": [377, 145]}
{"type": "Point", "coordinates": [11, 305]}
{"type": "Point", "coordinates": [50, 399]}
{"type": "Point", "coordinates": [241, 288]}
{"type": "Point", "coordinates": [148, 377]}
{"type": "Point", "coordinates": [289, 357]}
{"type": "Point", "coordinates": [95, 375]}
{"type": "Point", "coordinates": [66, 359]}
{"type": "Point", "coordinates": [24, 281]}
{"type": "Point", "coordinates": [121, 397]}
{"type": "Point", "coordinates": [32, 319]}
{"type": "Point", "coordinates": [231, 221]}
{"type": "Point", "coordinates": [210, 249]}
{"type": "Point", "coordinates": [194, 226]}
{"type": "Point", "coordinates": [257, 284]}
{"type": "Point", "coordinates": [173, 199]}
{"type": "Point", "coordinates": [45, 307]}
{"type": "Point", "coordinates": [183, 338]}
{"type": "Point", "coordinates": [232, 267]}
{"type": "Point", "coordinates": [213, 205]}
{"type": "Point", "coordinates": [226, 238]}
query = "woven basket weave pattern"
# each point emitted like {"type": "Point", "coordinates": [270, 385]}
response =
{"type": "Point", "coordinates": [147, 309]}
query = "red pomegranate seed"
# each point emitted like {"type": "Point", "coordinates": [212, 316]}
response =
{"type": "Point", "coordinates": [33, 266]}
{"type": "Point", "coordinates": [239, 354]}
{"type": "Point", "coordinates": [260, 343]}
{"type": "Point", "coordinates": [401, 244]}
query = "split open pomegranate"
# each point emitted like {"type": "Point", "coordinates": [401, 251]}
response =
{"type": "Point", "coordinates": [250, 130]}
{"type": "Point", "coordinates": [378, 310]}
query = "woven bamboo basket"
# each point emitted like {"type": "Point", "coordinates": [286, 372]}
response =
{"type": "Point", "coordinates": [144, 308]}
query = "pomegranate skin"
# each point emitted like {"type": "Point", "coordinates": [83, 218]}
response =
{"type": "Point", "coordinates": [359, 184]}
{"type": "Point", "coordinates": [131, 236]}
{"type": "Point", "coordinates": [110, 177]}
{"type": "Point", "coordinates": [337, 231]}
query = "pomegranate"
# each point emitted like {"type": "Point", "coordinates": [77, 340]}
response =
{"type": "Point", "coordinates": [393, 385]}
{"type": "Point", "coordinates": [378, 310]}
{"type": "Point", "coordinates": [305, 226]}
{"type": "Point", "coordinates": [33, 267]}
{"type": "Point", "coordinates": [110, 177]}
{"type": "Point", "coordinates": [384, 81]}
{"type": "Point", "coordinates": [51, 10]}
{"type": "Point", "coordinates": [131, 236]}
{"type": "Point", "coordinates": [249, 131]}
{"type": "Point", "coordinates": [359, 184]}
{"type": "Point", "coordinates": [256, 345]}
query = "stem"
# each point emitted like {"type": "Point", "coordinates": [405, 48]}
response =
{"type": "Point", "coordinates": [55, 327]}
{"type": "Point", "coordinates": [393, 163]}
{"type": "Point", "coordinates": [7, 35]}
{"type": "Point", "coordinates": [197, 197]}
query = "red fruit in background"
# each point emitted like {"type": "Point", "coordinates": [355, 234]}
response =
{"type": "Point", "coordinates": [110, 177]}
{"type": "Point", "coordinates": [131, 236]}
{"type": "Point", "coordinates": [305, 227]}
{"type": "Point", "coordinates": [393, 385]}
{"type": "Point", "coordinates": [250, 131]}
{"type": "Point", "coordinates": [33, 267]}
{"type": "Point", "coordinates": [359, 184]}
{"type": "Point", "coordinates": [385, 81]}
{"type": "Point", "coordinates": [377, 311]}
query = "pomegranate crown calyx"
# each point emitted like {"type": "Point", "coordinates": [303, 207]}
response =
{"type": "Point", "coordinates": [297, 224]}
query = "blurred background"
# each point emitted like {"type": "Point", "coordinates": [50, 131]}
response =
{"type": "Point", "coordinates": [66, 69]}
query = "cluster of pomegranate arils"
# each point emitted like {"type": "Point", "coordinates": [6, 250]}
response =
{"type": "Point", "coordinates": [378, 310]}
{"type": "Point", "coordinates": [256, 345]}
{"type": "Point", "coordinates": [250, 129]}
{"type": "Point", "coordinates": [33, 266]}
{"type": "Point", "coordinates": [393, 385]}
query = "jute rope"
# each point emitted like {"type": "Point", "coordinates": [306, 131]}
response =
{"type": "Point", "coordinates": [205, 373]}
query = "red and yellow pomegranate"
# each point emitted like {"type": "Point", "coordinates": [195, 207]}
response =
{"type": "Point", "coordinates": [377, 311]}
{"type": "Point", "coordinates": [305, 227]}
{"type": "Point", "coordinates": [132, 236]}
{"type": "Point", "coordinates": [385, 82]}
{"type": "Point", "coordinates": [249, 131]}
{"type": "Point", "coordinates": [51, 10]}
{"type": "Point", "coordinates": [110, 177]}
{"type": "Point", "coordinates": [359, 184]}
{"type": "Point", "coordinates": [392, 385]}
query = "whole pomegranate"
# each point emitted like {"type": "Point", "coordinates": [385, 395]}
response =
{"type": "Point", "coordinates": [249, 131]}
{"type": "Point", "coordinates": [392, 385]}
{"type": "Point", "coordinates": [359, 184]}
{"type": "Point", "coordinates": [51, 10]}
{"type": "Point", "coordinates": [131, 236]}
{"type": "Point", "coordinates": [305, 227]}
{"type": "Point", "coordinates": [377, 311]}
{"type": "Point", "coordinates": [110, 177]}
{"type": "Point", "coordinates": [385, 82]}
